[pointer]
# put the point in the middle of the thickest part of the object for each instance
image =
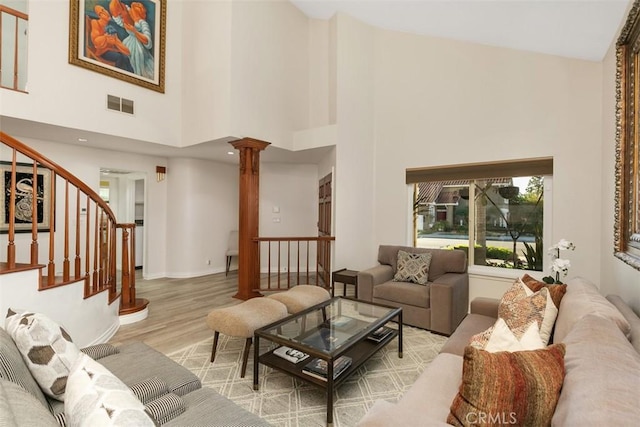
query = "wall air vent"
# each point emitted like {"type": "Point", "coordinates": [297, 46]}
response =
{"type": "Point", "coordinates": [113, 102]}
{"type": "Point", "coordinates": [120, 104]}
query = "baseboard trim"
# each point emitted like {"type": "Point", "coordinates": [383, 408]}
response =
{"type": "Point", "coordinates": [107, 335]}
{"type": "Point", "coordinates": [189, 275]}
{"type": "Point", "coordinates": [127, 319]}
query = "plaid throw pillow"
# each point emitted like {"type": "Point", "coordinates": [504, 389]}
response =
{"type": "Point", "coordinates": [413, 268]}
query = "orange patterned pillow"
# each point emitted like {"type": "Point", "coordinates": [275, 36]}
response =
{"type": "Point", "coordinates": [518, 308]}
{"type": "Point", "coordinates": [556, 291]}
{"type": "Point", "coordinates": [519, 388]}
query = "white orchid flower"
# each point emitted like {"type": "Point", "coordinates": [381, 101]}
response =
{"type": "Point", "coordinates": [561, 266]}
{"type": "Point", "coordinates": [564, 244]}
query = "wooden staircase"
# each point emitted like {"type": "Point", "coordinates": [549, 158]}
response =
{"type": "Point", "coordinates": [75, 236]}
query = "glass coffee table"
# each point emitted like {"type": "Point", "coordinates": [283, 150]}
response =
{"type": "Point", "coordinates": [341, 333]}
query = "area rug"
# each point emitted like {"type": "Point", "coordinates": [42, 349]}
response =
{"type": "Point", "coordinates": [286, 402]}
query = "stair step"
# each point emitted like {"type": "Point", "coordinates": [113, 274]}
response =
{"type": "Point", "coordinates": [4, 267]}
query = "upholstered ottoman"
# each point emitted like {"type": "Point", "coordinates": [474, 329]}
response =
{"type": "Point", "coordinates": [301, 297]}
{"type": "Point", "coordinates": [242, 320]}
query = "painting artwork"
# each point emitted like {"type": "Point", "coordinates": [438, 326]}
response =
{"type": "Point", "coordinates": [124, 39]}
{"type": "Point", "coordinates": [27, 192]}
{"type": "Point", "coordinates": [627, 179]}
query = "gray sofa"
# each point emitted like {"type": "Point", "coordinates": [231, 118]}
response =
{"type": "Point", "coordinates": [602, 365]}
{"type": "Point", "coordinates": [151, 375]}
{"type": "Point", "coordinates": [439, 306]}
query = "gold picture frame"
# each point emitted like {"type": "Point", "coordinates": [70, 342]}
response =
{"type": "Point", "coordinates": [627, 171]}
{"type": "Point", "coordinates": [123, 39]}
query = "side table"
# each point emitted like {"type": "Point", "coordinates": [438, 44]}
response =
{"type": "Point", "coordinates": [346, 277]}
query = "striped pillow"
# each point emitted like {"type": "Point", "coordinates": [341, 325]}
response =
{"type": "Point", "coordinates": [99, 351]}
{"type": "Point", "coordinates": [149, 389]}
{"type": "Point", "coordinates": [166, 408]}
{"type": "Point", "coordinates": [519, 388]}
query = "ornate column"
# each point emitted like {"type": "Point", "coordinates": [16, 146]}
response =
{"type": "Point", "coordinates": [248, 250]}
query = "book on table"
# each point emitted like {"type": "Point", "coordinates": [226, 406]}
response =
{"type": "Point", "coordinates": [290, 354]}
{"type": "Point", "coordinates": [327, 339]}
{"type": "Point", "coordinates": [342, 321]}
{"type": "Point", "coordinates": [318, 367]}
{"type": "Point", "coordinates": [380, 334]}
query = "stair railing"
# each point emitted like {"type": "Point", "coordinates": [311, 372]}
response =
{"type": "Point", "coordinates": [83, 234]}
{"type": "Point", "coordinates": [291, 261]}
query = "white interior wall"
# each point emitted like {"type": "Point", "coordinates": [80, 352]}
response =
{"type": "Point", "coordinates": [288, 208]}
{"type": "Point", "coordinates": [319, 70]}
{"type": "Point", "coordinates": [206, 82]}
{"type": "Point", "coordinates": [202, 210]}
{"type": "Point", "coordinates": [442, 102]}
{"type": "Point", "coordinates": [269, 71]}
{"type": "Point", "coordinates": [67, 95]}
{"type": "Point", "coordinates": [354, 171]}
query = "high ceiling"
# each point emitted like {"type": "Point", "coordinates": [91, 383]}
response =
{"type": "Point", "coordinates": [581, 29]}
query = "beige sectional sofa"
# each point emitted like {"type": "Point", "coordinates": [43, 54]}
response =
{"type": "Point", "coordinates": [439, 306]}
{"type": "Point", "coordinates": [601, 383]}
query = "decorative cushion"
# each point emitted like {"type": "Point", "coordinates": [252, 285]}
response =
{"type": "Point", "coordinates": [13, 368]}
{"type": "Point", "coordinates": [46, 348]}
{"type": "Point", "coordinates": [19, 408]}
{"type": "Point", "coordinates": [99, 351]}
{"type": "Point", "coordinates": [503, 339]}
{"type": "Point", "coordinates": [556, 291]}
{"type": "Point", "coordinates": [519, 388]}
{"type": "Point", "coordinates": [165, 408]}
{"type": "Point", "coordinates": [519, 308]}
{"type": "Point", "coordinates": [149, 389]}
{"type": "Point", "coordinates": [413, 268]}
{"type": "Point", "coordinates": [516, 292]}
{"type": "Point", "coordinates": [96, 397]}
{"type": "Point", "coordinates": [539, 307]}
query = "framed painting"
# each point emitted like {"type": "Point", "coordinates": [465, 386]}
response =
{"type": "Point", "coordinates": [26, 193]}
{"type": "Point", "coordinates": [124, 39]}
{"type": "Point", "coordinates": [627, 195]}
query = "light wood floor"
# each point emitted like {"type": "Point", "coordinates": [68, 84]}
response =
{"type": "Point", "coordinates": [177, 310]}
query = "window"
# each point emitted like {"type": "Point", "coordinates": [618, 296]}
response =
{"type": "Point", "coordinates": [501, 216]}
{"type": "Point", "coordinates": [13, 52]}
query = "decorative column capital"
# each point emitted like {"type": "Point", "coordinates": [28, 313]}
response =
{"type": "Point", "coordinates": [251, 143]}
{"type": "Point", "coordinates": [249, 154]}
